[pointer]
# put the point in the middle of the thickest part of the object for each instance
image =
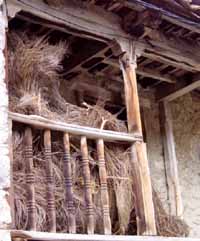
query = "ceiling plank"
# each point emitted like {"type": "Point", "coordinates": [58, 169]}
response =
{"type": "Point", "coordinates": [182, 91]}
{"type": "Point", "coordinates": [97, 23]}
{"type": "Point", "coordinates": [141, 5]}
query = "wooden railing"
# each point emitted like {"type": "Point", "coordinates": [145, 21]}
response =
{"type": "Point", "coordinates": [85, 133]}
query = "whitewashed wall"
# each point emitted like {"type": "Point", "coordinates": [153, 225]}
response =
{"type": "Point", "coordinates": [5, 215]}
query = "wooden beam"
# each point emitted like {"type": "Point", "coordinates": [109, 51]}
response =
{"type": "Point", "coordinates": [143, 193]}
{"type": "Point", "coordinates": [171, 17]}
{"type": "Point", "coordinates": [44, 236]}
{"type": "Point", "coordinates": [146, 72]}
{"type": "Point", "coordinates": [94, 21]}
{"type": "Point", "coordinates": [176, 206]}
{"type": "Point", "coordinates": [5, 210]}
{"type": "Point", "coordinates": [181, 92]}
{"type": "Point", "coordinates": [92, 133]}
{"type": "Point", "coordinates": [106, 26]}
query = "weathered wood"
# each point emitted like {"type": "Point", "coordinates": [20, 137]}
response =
{"type": "Point", "coordinates": [87, 184]}
{"type": "Point", "coordinates": [138, 199]}
{"type": "Point", "coordinates": [92, 133]}
{"type": "Point", "coordinates": [104, 26]}
{"type": "Point", "coordinates": [140, 5]}
{"type": "Point", "coordinates": [31, 235]}
{"type": "Point", "coordinates": [68, 184]}
{"type": "Point", "coordinates": [5, 210]}
{"type": "Point", "coordinates": [146, 72]}
{"type": "Point", "coordinates": [103, 187]}
{"type": "Point", "coordinates": [128, 67]}
{"type": "Point", "coordinates": [142, 180]}
{"type": "Point", "coordinates": [94, 21]}
{"type": "Point", "coordinates": [30, 180]}
{"type": "Point", "coordinates": [146, 188]}
{"type": "Point", "coordinates": [51, 212]}
{"type": "Point", "coordinates": [176, 206]}
{"type": "Point", "coordinates": [180, 92]}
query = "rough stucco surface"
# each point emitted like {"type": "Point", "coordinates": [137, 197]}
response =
{"type": "Point", "coordinates": [186, 124]}
{"type": "Point", "coordinates": [155, 152]}
{"type": "Point", "coordinates": [186, 120]}
{"type": "Point", "coordinates": [5, 217]}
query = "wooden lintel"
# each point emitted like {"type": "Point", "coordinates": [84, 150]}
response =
{"type": "Point", "coordinates": [92, 133]}
{"type": "Point", "coordinates": [181, 92]}
{"type": "Point", "coordinates": [44, 236]}
{"type": "Point", "coordinates": [106, 26]}
{"type": "Point", "coordinates": [94, 21]}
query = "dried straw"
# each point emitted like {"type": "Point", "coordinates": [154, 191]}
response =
{"type": "Point", "coordinates": [34, 66]}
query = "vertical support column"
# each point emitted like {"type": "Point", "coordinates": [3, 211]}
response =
{"type": "Point", "coordinates": [176, 206]}
{"type": "Point", "coordinates": [51, 211]}
{"type": "Point", "coordinates": [68, 183]}
{"type": "Point", "coordinates": [30, 180]}
{"type": "Point", "coordinates": [146, 220]}
{"type": "Point", "coordinates": [104, 188]}
{"type": "Point", "coordinates": [87, 183]}
{"type": "Point", "coordinates": [5, 210]}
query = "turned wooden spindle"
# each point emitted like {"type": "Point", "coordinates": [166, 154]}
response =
{"type": "Point", "coordinates": [87, 183]}
{"type": "Point", "coordinates": [68, 183]}
{"type": "Point", "coordinates": [30, 188]}
{"type": "Point", "coordinates": [51, 211]}
{"type": "Point", "coordinates": [103, 187]}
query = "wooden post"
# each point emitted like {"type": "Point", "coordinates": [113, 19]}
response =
{"type": "Point", "coordinates": [5, 210]}
{"type": "Point", "coordinates": [175, 200]}
{"type": "Point", "coordinates": [88, 193]}
{"type": "Point", "coordinates": [143, 191]}
{"type": "Point", "coordinates": [68, 183]}
{"type": "Point", "coordinates": [30, 180]}
{"type": "Point", "coordinates": [50, 183]}
{"type": "Point", "coordinates": [104, 188]}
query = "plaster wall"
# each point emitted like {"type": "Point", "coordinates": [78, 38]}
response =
{"type": "Point", "coordinates": [186, 125]}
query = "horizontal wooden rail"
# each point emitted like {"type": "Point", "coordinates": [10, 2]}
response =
{"type": "Point", "coordinates": [91, 133]}
{"type": "Point", "coordinates": [44, 236]}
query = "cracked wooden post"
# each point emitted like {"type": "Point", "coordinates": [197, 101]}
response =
{"type": "Point", "coordinates": [5, 184]}
{"type": "Point", "coordinates": [51, 210]}
{"type": "Point", "coordinates": [144, 201]}
{"type": "Point", "coordinates": [103, 187]}
{"type": "Point", "coordinates": [175, 199]}
{"type": "Point", "coordinates": [68, 184]}
{"type": "Point", "coordinates": [87, 183]}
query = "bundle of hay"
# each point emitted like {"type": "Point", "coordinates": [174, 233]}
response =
{"type": "Point", "coordinates": [169, 226]}
{"type": "Point", "coordinates": [34, 66]}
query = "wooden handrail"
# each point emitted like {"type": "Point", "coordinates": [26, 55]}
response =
{"type": "Point", "coordinates": [91, 133]}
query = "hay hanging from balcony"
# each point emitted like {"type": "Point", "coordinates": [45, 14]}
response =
{"type": "Point", "coordinates": [34, 66]}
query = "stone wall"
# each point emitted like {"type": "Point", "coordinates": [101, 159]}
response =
{"type": "Point", "coordinates": [186, 123]}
